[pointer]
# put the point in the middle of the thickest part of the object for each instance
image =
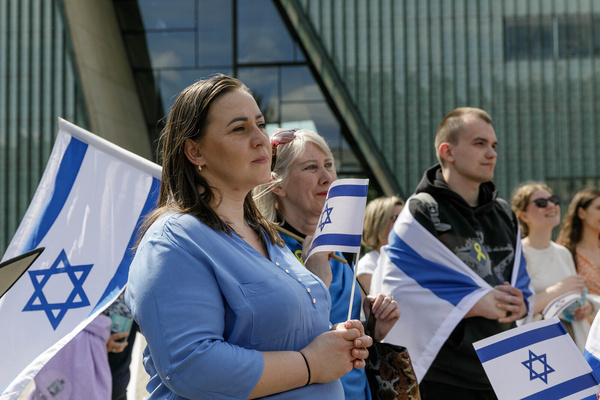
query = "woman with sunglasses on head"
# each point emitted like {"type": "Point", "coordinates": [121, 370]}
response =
{"type": "Point", "coordinates": [302, 170]}
{"type": "Point", "coordinates": [380, 215]}
{"type": "Point", "coordinates": [226, 309]}
{"type": "Point", "coordinates": [580, 234]}
{"type": "Point", "coordinates": [550, 265]}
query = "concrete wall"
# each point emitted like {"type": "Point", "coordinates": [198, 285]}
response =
{"type": "Point", "coordinates": [112, 101]}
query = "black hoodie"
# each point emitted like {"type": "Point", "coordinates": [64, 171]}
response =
{"type": "Point", "coordinates": [484, 237]}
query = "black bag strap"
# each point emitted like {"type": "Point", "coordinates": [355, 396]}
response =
{"type": "Point", "coordinates": [433, 208]}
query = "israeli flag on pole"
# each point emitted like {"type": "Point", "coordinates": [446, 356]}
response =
{"type": "Point", "coordinates": [433, 287]}
{"type": "Point", "coordinates": [341, 222]}
{"type": "Point", "coordinates": [537, 361]}
{"type": "Point", "coordinates": [86, 213]}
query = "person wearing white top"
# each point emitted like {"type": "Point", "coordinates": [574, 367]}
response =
{"type": "Point", "coordinates": [550, 265]}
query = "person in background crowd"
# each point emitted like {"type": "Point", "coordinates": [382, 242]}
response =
{"type": "Point", "coordinates": [227, 311]}
{"type": "Point", "coordinates": [580, 234]}
{"type": "Point", "coordinates": [303, 169]}
{"type": "Point", "coordinates": [119, 350]}
{"type": "Point", "coordinates": [456, 205]}
{"type": "Point", "coordinates": [550, 265]}
{"type": "Point", "coordinates": [80, 370]}
{"type": "Point", "coordinates": [380, 215]}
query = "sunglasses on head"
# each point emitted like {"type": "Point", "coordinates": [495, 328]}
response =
{"type": "Point", "coordinates": [542, 203]}
{"type": "Point", "coordinates": [280, 138]}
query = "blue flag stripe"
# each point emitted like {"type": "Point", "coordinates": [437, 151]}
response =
{"type": "Point", "coordinates": [337, 239]}
{"type": "Point", "coordinates": [592, 360]}
{"type": "Point", "coordinates": [348, 190]}
{"type": "Point", "coordinates": [565, 388]}
{"type": "Point", "coordinates": [442, 281]}
{"type": "Point", "coordinates": [120, 278]}
{"type": "Point", "coordinates": [523, 281]}
{"type": "Point", "coordinates": [65, 178]}
{"type": "Point", "coordinates": [520, 341]}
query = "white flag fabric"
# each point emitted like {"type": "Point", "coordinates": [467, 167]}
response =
{"type": "Point", "coordinates": [537, 361]}
{"type": "Point", "coordinates": [433, 287]}
{"type": "Point", "coordinates": [341, 222]}
{"type": "Point", "coordinates": [85, 212]}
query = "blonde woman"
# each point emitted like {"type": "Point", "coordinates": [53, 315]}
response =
{"type": "Point", "coordinates": [550, 265]}
{"type": "Point", "coordinates": [302, 170]}
{"type": "Point", "coordinates": [380, 215]}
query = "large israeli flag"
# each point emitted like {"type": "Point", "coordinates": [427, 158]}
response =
{"type": "Point", "coordinates": [85, 213]}
{"type": "Point", "coordinates": [433, 287]}
{"type": "Point", "coordinates": [537, 361]}
{"type": "Point", "coordinates": [341, 222]}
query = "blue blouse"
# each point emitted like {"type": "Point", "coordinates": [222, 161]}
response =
{"type": "Point", "coordinates": [208, 304]}
{"type": "Point", "coordinates": [355, 382]}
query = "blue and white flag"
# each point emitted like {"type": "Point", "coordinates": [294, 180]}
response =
{"type": "Point", "coordinates": [341, 222]}
{"type": "Point", "coordinates": [592, 347]}
{"type": "Point", "coordinates": [433, 287]}
{"type": "Point", "coordinates": [537, 361]}
{"type": "Point", "coordinates": [86, 213]}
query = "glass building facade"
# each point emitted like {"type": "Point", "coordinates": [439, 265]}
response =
{"type": "Point", "coordinates": [187, 40]}
{"type": "Point", "coordinates": [38, 84]}
{"type": "Point", "coordinates": [375, 77]}
{"type": "Point", "coordinates": [533, 65]}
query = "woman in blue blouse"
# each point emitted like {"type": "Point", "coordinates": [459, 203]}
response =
{"type": "Point", "coordinates": [302, 171]}
{"type": "Point", "coordinates": [227, 311]}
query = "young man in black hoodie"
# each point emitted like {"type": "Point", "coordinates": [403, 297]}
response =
{"type": "Point", "coordinates": [469, 220]}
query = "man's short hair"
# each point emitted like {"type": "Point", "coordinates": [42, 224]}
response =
{"type": "Point", "coordinates": [452, 124]}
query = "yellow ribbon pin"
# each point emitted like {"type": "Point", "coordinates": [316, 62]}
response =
{"type": "Point", "coordinates": [480, 254]}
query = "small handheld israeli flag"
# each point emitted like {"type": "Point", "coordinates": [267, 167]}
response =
{"type": "Point", "coordinates": [537, 361]}
{"type": "Point", "coordinates": [341, 222]}
{"type": "Point", "coordinates": [86, 213]}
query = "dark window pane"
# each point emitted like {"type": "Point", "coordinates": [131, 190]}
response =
{"type": "Point", "coordinates": [267, 41]}
{"type": "Point", "coordinates": [320, 116]}
{"type": "Point", "coordinates": [172, 82]}
{"type": "Point", "coordinates": [171, 49]}
{"type": "Point", "coordinates": [509, 40]}
{"type": "Point", "coordinates": [540, 39]}
{"type": "Point", "coordinates": [596, 38]}
{"type": "Point", "coordinates": [528, 38]}
{"type": "Point", "coordinates": [167, 14]}
{"type": "Point", "coordinates": [264, 84]}
{"type": "Point", "coordinates": [574, 37]}
{"type": "Point", "coordinates": [516, 39]}
{"type": "Point", "coordinates": [547, 34]}
{"type": "Point", "coordinates": [215, 33]}
{"type": "Point", "coordinates": [298, 84]}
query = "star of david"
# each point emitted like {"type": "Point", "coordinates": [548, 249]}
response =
{"type": "Point", "coordinates": [325, 217]}
{"type": "Point", "coordinates": [533, 374]}
{"type": "Point", "coordinates": [77, 298]}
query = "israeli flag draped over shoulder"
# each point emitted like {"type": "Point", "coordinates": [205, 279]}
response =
{"type": "Point", "coordinates": [433, 287]}
{"type": "Point", "coordinates": [537, 361]}
{"type": "Point", "coordinates": [86, 213]}
{"type": "Point", "coordinates": [341, 222]}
